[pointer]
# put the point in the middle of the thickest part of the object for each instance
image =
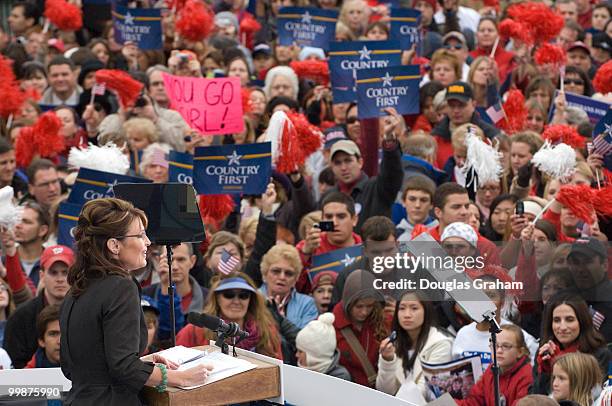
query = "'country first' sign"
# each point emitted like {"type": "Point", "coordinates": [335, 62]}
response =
{"type": "Point", "coordinates": [397, 87]}
{"type": "Point", "coordinates": [141, 26]}
{"type": "Point", "coordinates": [307, 26]}
{"type": "Point", "coordinates": [348, 58]}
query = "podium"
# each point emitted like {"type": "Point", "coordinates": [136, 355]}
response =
{"type": "Point", "coordinates": [260, 383]}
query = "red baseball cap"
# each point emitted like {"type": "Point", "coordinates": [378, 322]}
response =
{"type": "Point", "coordinates": [54, 254]}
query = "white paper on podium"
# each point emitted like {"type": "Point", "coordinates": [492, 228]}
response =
{"type": "Point", "coordinates": [224, 366]}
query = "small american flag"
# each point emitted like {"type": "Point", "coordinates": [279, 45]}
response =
{"type": "Point", "coordinates": [496, 112]}
{"type": "Point", "coordinates": [228, 263]}
{"type": "Point", "coordinates": [602, 144]}
{"type": "Point", "coordinates": [98, 89]}
{"type": "Point", "coordinates": [598, 318]}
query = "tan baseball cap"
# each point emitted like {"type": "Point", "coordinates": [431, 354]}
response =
{"type": "Point", "coordinates": [346, 146]}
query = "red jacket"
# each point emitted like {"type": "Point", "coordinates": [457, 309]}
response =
{"type": "Point", "coordinates": [487, 249]}
{"type": "Point", "coordinates": [513, 385]}
{"type": "Point", "coordinates": [445, 150]}
{"type": "Point", "coordinates": [368, 341]}
{"type": "Point", "coordinates": [303, 283]}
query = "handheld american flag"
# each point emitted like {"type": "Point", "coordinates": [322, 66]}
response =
{"type": "Point", "coordinates": [496, 112]}
{"type": "Point", "coordinates": [227, 263]}
{"type": "Point", "coordinates": [98, 89]}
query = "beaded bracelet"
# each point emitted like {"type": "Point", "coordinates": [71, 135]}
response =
{"type": "Point", "coordinates": [164, 381]}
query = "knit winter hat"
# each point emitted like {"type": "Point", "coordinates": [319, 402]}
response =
{"type": "Point", "coordinates": [318, 340]}
{"type": "Point", "coordinates": [461, 230]}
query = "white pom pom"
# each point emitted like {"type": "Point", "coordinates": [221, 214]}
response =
{"type": "Point", "coordinates": [275, 132]}
{"type": "Point", "coordinates": [483, 159]}
{"type": "Point", "coordinates": [558, 161]}
{"type": "Point", "coordinates": [327, 318]}
{"type": "Point", "coordinates": [107, 158]}
{"type": "Point", "coordinates": [10, 215]}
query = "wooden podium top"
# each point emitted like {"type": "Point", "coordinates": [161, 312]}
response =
{"type": "Point", "coordinates": [260, 383]}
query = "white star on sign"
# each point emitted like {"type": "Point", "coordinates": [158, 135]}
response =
{"type": "Point", "coordinates": [129, 19]}
{"type": "Point", "coordinates": [306, 18]}
{"type": "Point", "coordinates": [387, 79]}
{"type": "Point", "coordinates": [234, 159]}
{"type": "Point", "coordinates": [347, 260]}
{"type": "Point", "coordinates": [364, 53]}
{"type": "Point", "coordinates": [110, 187]}
{"type": "Point", "coordinates": [608, 130]}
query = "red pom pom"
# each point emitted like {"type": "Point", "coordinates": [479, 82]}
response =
{"type": "Point", "coordinates": [422, 62]}
{"type": "Point", "coordinates": [195, 21]}
{"type": "Point", "coordinates": [312, 69]}
{"type": "Point", "coordinates": [43, 139]}
{"type": "Point", "coordinates": [290, 154]}
{"type": "Point", "coordinates": [601, 201]}
{"type": "Point", "coordinates": [510, 29]}
{"type": "Point", "coordinates": [548, 53]}
{"type": "Point", "coordinates": [542, 23]}
{"type": "Point", "coordinates": [491, 3]}
{"type": "Point", "coordinates": [246, 100]}
{"type": "Point", "coordinates": [516, 112]}
{"type": "Point", "coordinates": [11, 96]}
{"type": "Point", "coordinates": [249, 26]}
{"type": "Point", "coordinates": [603, 78]}
{"type": "Point", "coordinates": [65, 16]}
{"type": "Point", "coordinates": [578, 199]}
{"type": "Point", "coordinates": [217, 207]}
{"type": "Point", "coordinates": [563, 133]}
{"type": "Point", "coordinates": [121, 82]}
{"type": "Point", "coordinates": [309, 136]}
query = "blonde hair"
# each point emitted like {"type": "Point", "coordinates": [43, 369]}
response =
{"type": "Point", "coordinates": [143, 126]}
{"type": "Point", "coordinates": [460, 133]}
{"type": "Point", "coordinates": [583, 373]}
{"type": "Point", "coordinates": [343, 29]}
{"type": "Point", "coordinates": [585, 170]}
{"type": "Point", "coordinates": [307, 222]}
{"type": "Point", "coordinates": [221, 238]}
{"type": "Point", "coordinates": [279, 252]}
{"type": "Point", "coordinates": [344, 10]}
{"type": "Point", "coordinates": [248, 227]}
{"type": "Point", "coordinates": [530, 138]}
{"type": "Point", "coordinates": [444, 55]}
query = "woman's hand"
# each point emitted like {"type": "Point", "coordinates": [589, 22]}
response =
{"type": "Point", "coordinates": [195, 376]}
{"type": "Point", "coordinates": [158, 359]}
{"type": "Point", "coordinates": [8, 241]}
{"type": "Point", "coordinates": [268, 199]}
{"type": "Point", "coordinates": [595, 161]}
{"type": "Point", "coordinates": [518, 223]}
{"type": "Point", "coordinates": [547, 351]}
{"type": "Point", "coordinates": [387, 350]}
{"type": "Point", "coordinates": [527, 232]}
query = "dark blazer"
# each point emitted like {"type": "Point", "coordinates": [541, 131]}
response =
{"type": "Point", "coordinates": [20, 338]}
{"type": "Point", "coordinates": [103, 335]}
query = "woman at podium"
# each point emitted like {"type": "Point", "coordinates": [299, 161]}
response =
{"type": "Point", "coordinates": [102, 323]}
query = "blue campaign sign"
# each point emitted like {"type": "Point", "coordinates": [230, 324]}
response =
{"type": "Point", "coordinates": [306, 26]}
{"type": "Point", "coordinates": [595, 109]}
{"type": "Point", "coordinates": [180, 167]}
{"type": "Point", "coordinates": [347, 58]}
{"type": "Point", "coordinates": [604, 125]}
{"type": "Point", "coordinates": [91, 184]}
{"type": "Point", "coordinates": [139, 25]}
{"type": "Point", "coordinates": [396, 87]}
{"type": "Point", "coordinates": [232, 169]}
{"type": "Point", "coordinates": [405, 26]}
{"type": "Point", "coordinates": [335, 260]}
{"type": "Point", "coordinates": [68, 216]}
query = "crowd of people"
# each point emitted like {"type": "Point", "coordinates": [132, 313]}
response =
{"type": "Point", "coordinates": [381, 182]}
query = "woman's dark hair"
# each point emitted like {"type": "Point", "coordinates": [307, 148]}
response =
{"type": "Point", "coordinates": [589, 339]}
{"type": "Point", "coordinates": [588, 87]}
{"type": "Point", "coordinates": [564, 275]}
{"type": "Point", "coordinates": [429, 89]}
{"type": "Point", "coordinates": [487, 18]}
{"type": "Point", "coordinates": [238, 58]}
{"type": "Point", "coordinates": [377, 24]}
{"type": "Point", "coordinates": [280, 100]}
{"type": "Point", "coordinates": [100, 220]}
{"type": "Point", "coordinates": [404, 343]}
{"type": "Point", "coordinates": [29, 69]}
{"type": "Point", "coordinates": [353, 104]}
{"type": "Point", "coordinates": [548, 229]}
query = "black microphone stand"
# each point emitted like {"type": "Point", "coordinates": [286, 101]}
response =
{"type": "Point", "coordinates": [171, 293]}
{"type": "Point", "coordinates": [221, 343]}
{"type": "Point", "coordinates": [494, 328]}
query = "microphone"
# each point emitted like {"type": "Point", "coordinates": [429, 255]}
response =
{"type": "Point", "coordinates": [216, 324]}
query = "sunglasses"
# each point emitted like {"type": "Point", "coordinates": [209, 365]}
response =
{"type": "Point", "coordinates": [577, 82]}
{"type": "Point", "coordinates": [231, 294]}
{"type": "Point", "coordinates": [456, 46]}
{"type": "Point", "coordinates": [351, 120]}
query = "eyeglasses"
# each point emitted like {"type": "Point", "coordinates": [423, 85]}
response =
{"type": "Point", "coordinates": [48, 184]}
{"type": "Point", "coordinates": [142, 236]}
{"type": "Point", "coordinates": [289, 273]}
{"type": "Point", "coordinates": [577, 82]}
{"type": "Point", "coordinates": [231, 294]}
{"type": "Point", "coordinates": [351, 120]}
{"type": "Point", "coordinates": [456, 46]}
{"type": "Point", "coordinates": [504, 347]}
